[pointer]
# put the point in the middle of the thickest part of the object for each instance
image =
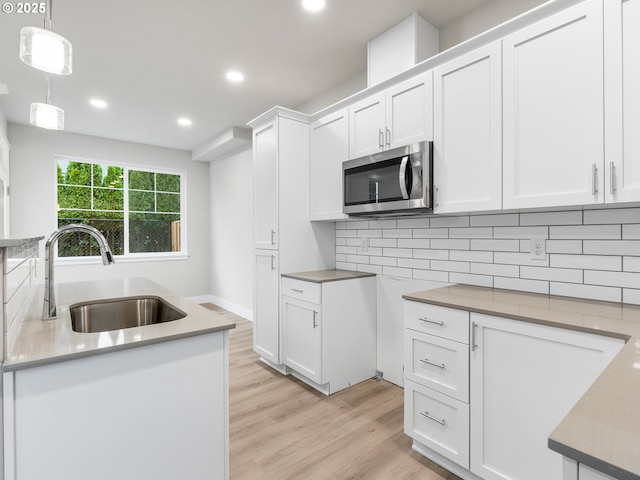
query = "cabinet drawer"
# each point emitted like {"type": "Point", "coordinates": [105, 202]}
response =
{"type": "Point", "coordinates": [437, 421]}
{"type": "Point", "coordinates": [435, 320]}
{"type": "Point", "coordinates": [437, 363]}
{"type": "Point", "coordinates": [307, 291]}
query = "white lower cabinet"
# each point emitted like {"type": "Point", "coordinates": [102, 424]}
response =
{"type": "Point", "coordinates": [329, 331]}
{"type": "Point", "coordinates": [523, 378]}
{"type": "Point", "coordinates": [266, 320]}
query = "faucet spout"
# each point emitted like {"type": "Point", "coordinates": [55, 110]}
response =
{"type": "Point", "coordinates": [49, 309]}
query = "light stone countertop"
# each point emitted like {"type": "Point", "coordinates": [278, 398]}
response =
{"type": "Point", "coordinates": [322, 276]}
{"type": "Point", "coordinates": [32, 342]}
{"type": "Point", "coordinates": [603, 428]}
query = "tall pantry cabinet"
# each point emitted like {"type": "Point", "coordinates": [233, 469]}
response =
{"type": "Point", "coordinates": [285, 239]}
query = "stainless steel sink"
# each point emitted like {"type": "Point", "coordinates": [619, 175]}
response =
{"type": "Point", "coordinates": [117, 313]}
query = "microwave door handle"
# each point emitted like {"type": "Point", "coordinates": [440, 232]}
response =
{"type": "Point", "coordinates": [403, 177]}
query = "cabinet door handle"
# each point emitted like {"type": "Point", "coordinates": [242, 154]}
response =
{"type": "Point", "coordinates": [298, 290]}
{"type": "Point", "coordinates": [387, 135]}
{"type": "Point", "coordinates": [429, 362]}
{"type": "Point", "coordinates": [474, 344]}
{"type": "Point", "coordinates": [380, 138]}
{"type": "Point", "coordinates": [612, 177]}
{"type": "Point", "coordinates": [434, 322]}
{"type": "Point", "coordinates": [273, 258]}
{"type": "Point", "coordinates": [437, 420]}
{"type": "Point", "coordinates": [273, 234]}
{"type": "Point", "coordinates": [594, 179]}
{"type": "Point", "coordinates": [315, 325]}
{"type": "Point", "coordinates": [435, 195]}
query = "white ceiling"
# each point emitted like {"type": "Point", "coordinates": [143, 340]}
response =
{"type": "Point", "coordinates": [156, 60]}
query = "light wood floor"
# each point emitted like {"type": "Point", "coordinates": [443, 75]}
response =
{"type": "Point", "coordinates": [281, 429]}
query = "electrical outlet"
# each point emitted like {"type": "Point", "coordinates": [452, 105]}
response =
{"type": "Point", "coordinates": [364, 244]}
{"type": "Point", "coordinates": [538, 248]}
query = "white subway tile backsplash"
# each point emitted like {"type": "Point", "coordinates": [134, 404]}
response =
{"type": "Point", "coordinates": [431, 233]}
{"type": "Point", "coordinates": [496, 245]}
{"type": "Point", "coordinates": [433, 275]}
{"type": "Point", "coordinates": [564, 246]}
{"type": "Point", "coordinates": [551, 274]}
{"type": "Point", "coordinates": [631, 232]}
{"type": "Point", "coordinates": [551, 218]}
{"type": "Point", "coordinates": [500, 220]}
{"type": "Point", "coordinates": [397, 233]}
{"type": "Point", "coordinates": [431, 254]}
{"type": "Point", "coordinates": [471, 232]}
{"type": "Point", "coordinates": [462, 221]}
{"type": "Point", "coordinates": [534, 286]}
{"type": "Point", "coordinates": [397, 252]}
{"type": "Point", "coordinates": [612, 279]}
{"type": "Point", "coordinates": [608, 247]}
{"type": "Point", "coordinates": [590, 254]}
{"type": "Point", "coordinates": [450, 243]}
{"type": "Point", "coordinates": [471, 256]}
{"type": "Point", "coordinates": [470, 279]}
{"type": "Point", "coordinates": [606, 294]}
{"type": "Point", "coordinates": [584, 232]}
{"type": "Point", "coordinates": [521, 232]}
{"type": "Point", "coordinates": [631, 296]}
{"type": "Point", "coordinates": [590, 262]}
{"type": "Point", "coordinates": [448, 266]}
{"type": "Point", "coordinates": [495, 269]}
{"type": "Point", "coordinates": [631, 264]}
{"type": "Point", "coordinates": [612, 216]}
{"type": "Point", "coordinates": [413, 243]}
{"type": "Point", "coordinates": [413, 222]}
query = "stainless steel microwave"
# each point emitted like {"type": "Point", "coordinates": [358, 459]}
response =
{"type": "Point", "coordinates": [395, 182]}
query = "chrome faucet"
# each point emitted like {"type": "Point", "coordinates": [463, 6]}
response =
{"type": "Point", "coordinates": [49, 309]}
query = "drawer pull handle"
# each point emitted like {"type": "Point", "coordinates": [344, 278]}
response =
{"type": "Point", "coordinates": [426, 414]}
{"type": "Point", "coordinates": [298, 290]}
{"type": "Point", "coordinates": [429, 362]}
{"type": "Point", "coordinates": [434, 322]}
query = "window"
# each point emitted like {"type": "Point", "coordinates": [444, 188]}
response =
{"type": "Point", "coordinates": [138, 211]}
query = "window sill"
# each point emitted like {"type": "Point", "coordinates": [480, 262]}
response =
{"type": "Point", "coordinates": [151, 257]}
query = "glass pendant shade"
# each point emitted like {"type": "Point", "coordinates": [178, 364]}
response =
{"type": "Point", "coordinates": [45, 115]}
{"type": "Point", "coordinates": [45, 50]}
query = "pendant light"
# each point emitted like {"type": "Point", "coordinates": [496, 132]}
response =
{"type": "Point", "coordinates": [44, 49]}
{"type": "Point", "coordinates": [45, 115]}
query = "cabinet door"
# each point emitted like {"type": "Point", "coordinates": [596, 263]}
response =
{"type": "Point", "coordinates": [525, 378]}
{"type": "Point", "coordinates": [622, 100]}
{"type": "Point", "coordinates": [588, 473]}
{"type": "Point", "coordinates": [329, 148]}
{"type": "Point", "coordinates": [266, 323]}
{"type": "Point", "coordinates": [409, 111]}
{"type": "Point", "coordinates": [553, 110]}
{"type": "Point", "coordinates": [265, 168]}
{"type": "Point", "coordinates": [366, 126]}
{"type": "Point", "coordinates": [301, 330]}
{"type": "Point", "coordinates": [468, 132]}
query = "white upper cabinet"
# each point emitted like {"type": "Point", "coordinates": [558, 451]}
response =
{"type": "Point", "coordinates": [622, 100]}
{"type": "Point", "coordinates": [468, 132]}
{"type": "Point", "coordinates": [553, 124]}
{"type": "Point", "coordinates": [329, 148]}
{"type": "Point", "coordinates": [399, 116]}
{"type": "Point", "coordinates": [265, 171]}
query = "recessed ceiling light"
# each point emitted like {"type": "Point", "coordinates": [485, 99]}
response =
{"type": "Point", "coordinates": [185, 122]}
{"type": "Point", "coordinates": [235, 76]}
{"type": "Point", "coordinates": [313, 5]}
{"type": "Point", "coordinates": [98, 103]}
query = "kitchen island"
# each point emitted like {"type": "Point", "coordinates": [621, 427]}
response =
{"type": "Point", "coordinates": [148, 402]}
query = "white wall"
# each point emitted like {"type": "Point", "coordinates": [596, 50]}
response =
{"type": "Point", "coordinates": [33, 207]}
{"type": "Point", "coordinates": [483, 18]}
{"type": "Point", "coordinates": [231, 214]}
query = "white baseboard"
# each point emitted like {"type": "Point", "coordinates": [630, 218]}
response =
{"type": "Point", "coordinates": [232, 307]}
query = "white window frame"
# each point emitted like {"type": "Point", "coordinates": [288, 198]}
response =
{"type": "Point", "coordinates": [128, 256]}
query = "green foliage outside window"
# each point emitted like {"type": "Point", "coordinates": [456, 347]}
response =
{"type": "Point", "coordinates": [95, 194]}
